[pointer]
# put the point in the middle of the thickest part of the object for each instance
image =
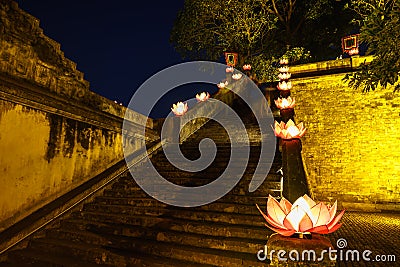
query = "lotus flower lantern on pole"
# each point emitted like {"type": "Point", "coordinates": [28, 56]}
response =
{"type": "Point", "coordinates": [179, 109]}
{"type": "Point", "coordinates": [294, 182]}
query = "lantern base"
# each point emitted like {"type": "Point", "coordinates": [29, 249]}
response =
{"type": "Point", "coordinates": [301, 235]}
{"type": "Point", "coordinates": [289, 251]}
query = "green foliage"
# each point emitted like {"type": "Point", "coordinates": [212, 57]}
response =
{"type": "Point", "coordinates": [380, 29]}
{"type": "Point", "coordinates": [204, 29]}
{"type": "Point", "coordinates": [297, 55]}
{"type": "Point", "coordinates": [260, 31]}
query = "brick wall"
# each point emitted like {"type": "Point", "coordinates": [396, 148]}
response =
{"type": "Point", "coordinates": [351, 150]}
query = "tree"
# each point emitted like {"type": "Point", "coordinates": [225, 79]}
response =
{"type": "Point", "coordinates": [260, 31]}
{"type": "Point", "coordinates": [206, 28]}
{"type": "Point", "coordinates": [380, 29]}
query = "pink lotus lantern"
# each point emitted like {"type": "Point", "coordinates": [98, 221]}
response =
{"type": "Point", "coordinates": [289, 130]}
{"type": "Point", "coordinates": [284, 86]}
{"type": "Point", "coordinates": [304, 216]}
{"type": "Point", "coordinates": [284, 61]}
{"type": "Point", "coordinates": [247, 67]}
{"type": "Point", "coordinates": [283, 69]}
{"type": "Point", "coordinates": [284, 103]}
{"type": "Point", "coordinates": [202, 96]}
{"type": "Point", "coordinates": [237, 76]}
{"type": "Point", "coordinates": [229, 69]}
{"type": "Point", "coordinates": [284, 76]}
{"type": "Point", "coordinates": [222, 84]}
{"type": "Point", "coordinates": [179, 108]}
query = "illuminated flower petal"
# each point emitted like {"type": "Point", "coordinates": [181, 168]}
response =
{"type": "Point", "coordinates": [303, 216]}
{"type": "Point", "coordinates": [247, 67]}
{"type": "Point", "coordinates": [285, 205]}
{"type": "Point", "coordinates": [284, 86]}
{"type": "Point", "coordinates": [270, 220]}
{"type": "Point", "coordinates": [237, 76]}
{"type": "Point", "coordinates": [283, 103]}
{"type": "Point", "coordinates": [289, 130]}
{"type": "Point", "coordinates": [321, 215]}
{"type": "Point", "coordinates": [305, 224]}
{"type": "Point", "coordinates": [222, 84]}
{"type": "Point", "coordinates": [179, 108]}
{"type": "Point", "coordinates": [229, 69]}
{"type": "Point", "coordinates": [202, 96]}
{"type": "Point", "coordinates": [332, 211]}
{"type": "Point", "coordinates": [275, 211]}
{"type": "Point", "coordinates": [292, 220]}
{"type": "Point", "coordinates": [335, 221]}
{"type": "Point", "coordinates": [284, 76]}
{"type": "Point", "coordinates": [283, 69]}
{"type": "Point", "coordinates": [284, 61]}
{"type": "Point", "coordinates": [280, 231]}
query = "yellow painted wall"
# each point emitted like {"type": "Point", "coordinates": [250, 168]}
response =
{"type": "Point", "coordinates": [351, 149]}
{"type": "Point", "coordinates": [44, 156]}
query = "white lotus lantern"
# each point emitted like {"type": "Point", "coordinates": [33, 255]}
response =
{"type": "Point", "coordinates": [284, 103]}
{"type": "Point", "coordinates": [204, 96]}
{"type": "Point", "coordinates": [284, 86]}
{"type": "Point", "coordinates": [179, 108]}
{"type": "Point", "coordinates": [237, 76]}
{"type": "Point", "coordinates": [289, 130]}
{"type": "Point", "coordinates": [304, 216]}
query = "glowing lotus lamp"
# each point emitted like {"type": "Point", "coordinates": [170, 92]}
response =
{"type": "Point", "coordinates": [229, 69]}
{"type": "Point", "coordinates": [289, 130]}
{"type": "Point", "coordinates": [179, 108]}
{"type": "Point", "coordinates": [284, 61]}
{"type": "Point", "coordinates": [304, 216]}
{"type": "Point", "coordinates": [222, 84]}
{"type": "Point", "coordinates": [284, 76]}
{"type": "Point", "coordinates": [283, 69]}
{"type": "Point", "coordinates": [247, 67]}
{"type": "Point", "coordinates": [237, 76]}
{"type": "Point", "coordinates": [284, 103]}
{"type": "Point", "coordinates": [204, 96]}
{"type": "Point", "coordinates": [284, 86]}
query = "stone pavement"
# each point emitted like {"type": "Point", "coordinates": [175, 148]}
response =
{"type": "Point", "coordinates": [377, 232]}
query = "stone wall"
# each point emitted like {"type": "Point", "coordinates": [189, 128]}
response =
{"type": "Point", "coordinates": [55, 133]}
{"type": "Point", "coordinates": [351, 148]}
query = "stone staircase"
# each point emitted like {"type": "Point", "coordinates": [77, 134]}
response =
{"type": "Point", "coordinates": [123, 226]}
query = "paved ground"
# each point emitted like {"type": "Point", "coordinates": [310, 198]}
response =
{"type": "Point", "coordinates": [377, 232]}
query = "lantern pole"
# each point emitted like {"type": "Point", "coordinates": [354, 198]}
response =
{"type": "Point", "coordinates": [294, 178]}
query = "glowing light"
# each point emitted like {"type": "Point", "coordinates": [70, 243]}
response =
{"type": "Point", "coordinates": [202, 96]}
{"type": "Point", "coordinates": [237, 76]}
{"type": "Point", "coordinates": [229, 69]}
{"type": "Point", "coordinates": [353, 51]}
{"type": "Point", "coordinates": [284, 76]}
{"type": "Point", "coordinates": [284, 61]}
{"type": "Point", "coordinates": [289, 130]}
{"type": "Point", "coordinates": [283, 69]}
{"type": "Point", "coordinates": [222, 84]}
{"type": "Point", "coordinates": [284, 85]}
{"type": "Point", "coordinates": [283, 103]}
{"type": "Point", "coordinates": [304, 216]}
{"type": "Point", "coordinates": [247, 67]}
{"type": "Point", "coordinates": [179, 108]}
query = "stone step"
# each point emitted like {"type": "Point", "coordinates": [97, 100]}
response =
{"type": "Point", "coordinates": [133, 246]}
{"type": "Point", "coordinates": [127, 214]}
{"type": "Point", "coordinates": [126, 241]}
{"type": "Point", "coordinates": [33, 257]}
{"type": "Point", "coordinates": [240, 208]}
{"type": "Point", "coordinates": [163, 224]}
{"type": "Point", "coordinates": [105, 256]}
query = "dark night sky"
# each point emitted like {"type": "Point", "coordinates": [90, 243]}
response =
{"type": "Point", "coordinates": [116, 44]}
